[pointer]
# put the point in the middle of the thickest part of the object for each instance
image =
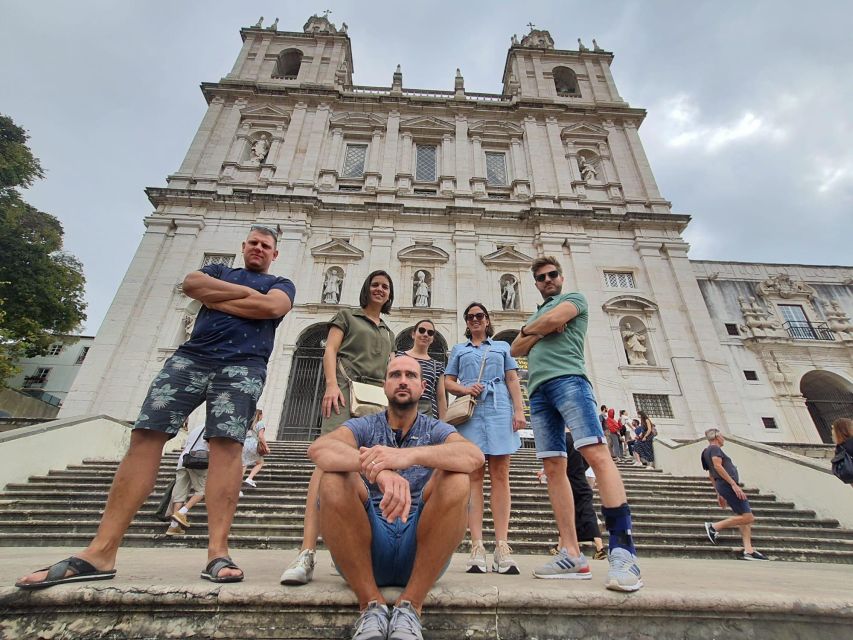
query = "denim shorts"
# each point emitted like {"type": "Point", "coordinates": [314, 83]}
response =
{"type": "Point", "coordinates": [231, 392]}
{"type": "Point", "coordinates": [559, 403]}
{"type": "Point", "coordinates": [393, 547]}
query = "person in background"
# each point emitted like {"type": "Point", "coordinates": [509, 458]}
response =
{"type": "Point", "coordinates": [187, 480]}
{"type": "Point", "coordinates": [255, 447]}
{"type": "Point", "coordinates": [613, 436]}
{"type": "Point", "coordinates": [360, 344]}
{"type": "Point", "coordinates": [434, 401]}
{"type": "Point", "coordinates": [644, 452]}
{"type": "Point", "coordinates": [842, 435]}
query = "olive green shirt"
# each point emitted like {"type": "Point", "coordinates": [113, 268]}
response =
{"type": "Point", "coordinates": [366, 347]}
{"type": "Point", "coordinates": [558, 354]}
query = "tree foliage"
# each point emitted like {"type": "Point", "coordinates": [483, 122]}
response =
{"type": "Point", "coordinates": [41, 286]}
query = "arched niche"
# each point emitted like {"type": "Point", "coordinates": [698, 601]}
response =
{"type": "Point", "coordinates": [828, 397]}
{"type": "Point", "coordinates": [565, 81]}
{"type": "Point", "coordinates": [422, 289]}
{"type": "Point", "coordinates": [636, 341]}
{"type": "Point", "coordinates": [287, 64]}
{"type": "Point", "coordinates": [333, 281]}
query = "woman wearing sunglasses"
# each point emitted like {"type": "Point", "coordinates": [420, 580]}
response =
{"type": "Point", "coordinates": [498, 416]}
{"type": "Point", "coordinates": [434, 400]}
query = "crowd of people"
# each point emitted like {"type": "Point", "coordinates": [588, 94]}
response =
{"type": "Point", "coordinates": [396, 487]}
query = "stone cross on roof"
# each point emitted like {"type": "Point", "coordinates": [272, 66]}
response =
{"type": "Point", "coordinates": [326, 13]}
{"type": "Point", "coordinates": [530, 25]}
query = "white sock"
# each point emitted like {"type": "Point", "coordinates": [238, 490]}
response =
{"type": "Point", "coordinates": [183, 510]}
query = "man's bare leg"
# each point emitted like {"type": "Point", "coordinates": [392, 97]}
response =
{"type": "Point", "coordinates": [194, 500]}
{"type": "Point", "coordinates": [562, 502]}
{"type": "Point", "coordinates": [441, 527]}
{"type": "Point", "coordinates": [311, 526]}
{"type": "Point", "coordinates": [132, 484]}
{"type": "Point", "coordinates": [607, 476]}
{"type": "Point", "coordinates": [222, 489]}
{"type": "Point", "coordinates": [347, 533]}
{"type": "Point", "coordinates": [475, 506]}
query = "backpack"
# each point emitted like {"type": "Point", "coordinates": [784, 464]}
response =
{"type": "Point", "coordinates": [842, 465]}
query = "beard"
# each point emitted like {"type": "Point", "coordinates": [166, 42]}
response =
{"type": "Point", "coordinates": [402, 406]}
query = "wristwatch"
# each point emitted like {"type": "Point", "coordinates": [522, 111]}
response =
{"type": "Point", "coordinates": [529, 335]}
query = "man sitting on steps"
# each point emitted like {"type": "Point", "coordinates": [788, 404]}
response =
{"type": "Point", "coordinates": [393, 502]}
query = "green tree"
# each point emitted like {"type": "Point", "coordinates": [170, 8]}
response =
{"type": "Point", "coordinates": [41, 286]}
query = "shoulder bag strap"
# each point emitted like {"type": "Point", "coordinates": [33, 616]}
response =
{"type": "Point", "coordinates": [483, 363]}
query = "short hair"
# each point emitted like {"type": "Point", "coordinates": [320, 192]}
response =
{"type": "Point", "coordinates": [545, 260]}
{"type": "Point", "coordinates": [842, 429]}
{"type": "Point", "coordinates": [711, 434]}
{"type": "Point", "coordinates": [490, 330]}
{"type": "Point", "coordinates": [364, 296]}
{"type": "Point", "coordinates": [267, 231]}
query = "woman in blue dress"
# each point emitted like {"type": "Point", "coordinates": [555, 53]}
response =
{"type": "Point", "coordinates": [498, 416]}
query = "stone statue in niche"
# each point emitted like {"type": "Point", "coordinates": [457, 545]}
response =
{"type": "Point", "coordinates": [588, 172]}
{"type": "Point", "coordinates": [260, 149]}
{"type": "Point", "coordinates": [332, 286]}
{"type": "Point", "coordinates": [635, 347]}
{"type": "Point", "coordinates": [421, 290]}
{"type": "Point", "coordinates": [509, 293]}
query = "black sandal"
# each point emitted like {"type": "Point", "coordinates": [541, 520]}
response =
{"type": "Point", "coordinates": [83, 571]}
{"type": "Point", "coordinates": [211, 572]}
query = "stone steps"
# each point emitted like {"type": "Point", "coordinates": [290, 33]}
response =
{"type": "Point", "coordinates": [64, 507]}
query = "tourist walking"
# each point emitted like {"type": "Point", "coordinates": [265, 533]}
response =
{"type": "Point", "coordinates": [255, 447]}
{"type": "Point", "coordinates": [358, 347]}
{"type": "Point", "coordinates": [483, 369]}
{"type": "Point", "coordinates": [187, 480]}
{"type": "Point", "coordinates": [433, 402]}
{"type": "Point", "coordinates": [224, 363]}
{"type": "Point", "coordinates": [561, 395]}
{"type": "Point", "coordinates": [724, 478]}
{"type": "Point", "coordinates": [644, 452]}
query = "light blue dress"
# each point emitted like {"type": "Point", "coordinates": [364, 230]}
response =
{"type": "Point", "coordinates": [490, 428]}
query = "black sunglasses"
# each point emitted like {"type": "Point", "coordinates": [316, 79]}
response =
{"type": "Point", "coordinates": [429, 332]}
{"type": "Point", "coordinates": [475, 316]}
{"type": "Point", "coordinates": [551, 275]}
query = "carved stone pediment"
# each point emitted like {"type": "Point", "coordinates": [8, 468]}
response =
{"type": "Point", "coordinates": [265, 113]}
{"type": "Point", "coordinates": [427, 125]}
{"type": "Point", "coordinates": [338, 249]}
{"type": "Point", "coordinates": [423, 252]}
{"type": "Point", "coordinates": [783, 286]}
{"type": "Point", "coordinates": [584, 131]}
{"type": "Point", "coordinates": [495, 128]}
{"type": "Point", "coordinates": [507, 257]}
{"type": "Point", "coordinates": [629, 304]}
{"type": "Point", "coordinates": [365, 122]}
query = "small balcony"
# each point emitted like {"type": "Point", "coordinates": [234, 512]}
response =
{"type": "Point", "coordinates": [809, 331]}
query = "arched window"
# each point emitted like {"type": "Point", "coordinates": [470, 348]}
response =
{"type": "Point", "coordinates": [565, 81]}
{"type": "Point", "coordinates": [288, 63]}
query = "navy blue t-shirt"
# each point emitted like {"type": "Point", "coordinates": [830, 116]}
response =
{"type": "Point", "coordinates": [221, 337]}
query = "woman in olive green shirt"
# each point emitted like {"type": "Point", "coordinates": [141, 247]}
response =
{"type": "Point", "coordinates": [363, 343]}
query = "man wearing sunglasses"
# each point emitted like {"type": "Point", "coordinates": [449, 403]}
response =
{"type": "Point", "coordinates": [224, 363]}
{"type": "Point", "coordinates": [561, 395]}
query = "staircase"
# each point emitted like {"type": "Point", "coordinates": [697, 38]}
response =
{"type": "Point", "coordinates": [63, 509]}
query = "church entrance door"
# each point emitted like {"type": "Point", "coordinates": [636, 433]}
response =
{"type": "Point", "coordinates": [300, 419]}
{"type": "Point", "coordinates": [828, 397]}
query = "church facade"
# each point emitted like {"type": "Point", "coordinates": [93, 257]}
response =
{"type": "Point", "coordinates": [454, 193]}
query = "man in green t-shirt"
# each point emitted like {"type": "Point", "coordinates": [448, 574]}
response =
{"type": "Point", "coordinates": [561, 396]}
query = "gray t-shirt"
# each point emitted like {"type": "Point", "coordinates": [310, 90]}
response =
{"type": "Point", "coordinates": [715, 451]}
{"type": "Point", "coordinates": [373, 430]}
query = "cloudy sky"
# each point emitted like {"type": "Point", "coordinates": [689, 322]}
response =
{"type": "Point", "coordinates": [748, 127]}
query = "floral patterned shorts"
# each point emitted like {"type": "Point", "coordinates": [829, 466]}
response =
{"type": "Point", "coordinates": [231, 392]}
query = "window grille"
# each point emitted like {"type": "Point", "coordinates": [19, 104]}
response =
{"type": "Point", "coordinates": [619, 279]}
{"type": "Point", "coordinates": [55, 349]}
{"type": "Point", "coordinates": [425, 169]}
{"type": "Point", "coordinates": [354, 160]}
{"type": "Point", "coordinates": [226, 259]}
{"type": "Point", "coordinates": [496, 168]}
{"type": "Point", "coordinates": [82, 355]}
{"type": "Point", "coordinates": [655, 406]}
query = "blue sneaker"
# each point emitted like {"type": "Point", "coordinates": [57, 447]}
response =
{"type": "Point", "coordinates": [624, 574]}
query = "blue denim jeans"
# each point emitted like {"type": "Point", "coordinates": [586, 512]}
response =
{"type": "Point", "coordinates": [560, 403]}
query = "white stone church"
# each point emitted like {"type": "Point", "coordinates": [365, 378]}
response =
{"type": "Point", "coordinates": [454, 193]}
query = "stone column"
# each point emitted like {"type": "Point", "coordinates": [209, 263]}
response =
{"type": "Point", "coordinates": [389, 160]}
{"type": "Point", "coordinates": [558, 155]}
{"type": "Point", "coordinates": [448, 165]}
{"type": "Point", "coordinates": [469, 270]}
{"type": "Point", "coordinates": [404, 177]}
{"type": "Point", "coordinates": [463, 155]}
{"type": "Point", "coordinates": [650, 187]}
{"type": "Point", "coordinates": [521, 181]}
{"type": "Point", "coordinates": [205, 130]}
{"type": "Point", "coordinates": [308, 174]}
{"type": "Point", "coordinates": [284, 161]}
{"type": "Point", "coordinates": [372, 175]}
{"type": "Point", "coordinates": [254, 67]}
{"type": "Point", "coordinates": [478, 180]}
{"type": "Point", "coordinates": [611, 84]}
{"type": "Point", "coordinates": [540, 161]}
{"type": "Point", "coordinates": [381, 240]}
{"type": "Point", "coordinates": [237, 69]}
{"type": "Point", "coordinates": [599, 92]}
{"type": "Point", "coordinates": [329, 171]}
{"type": "Point", "coordinates": [220, 139]}
{"type": "Point", "coordinates": [276, 387]}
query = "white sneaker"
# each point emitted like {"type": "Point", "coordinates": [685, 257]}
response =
{"type": "Point", "coordinates": [251, 483]}
{"type": "Point", "coordinates": [477, 562]}
{"type": "Point", "coordinates": [301, 570]}
{"type": "Point", "coordinates": [624, 574]}
{"type": "Point", "coordinates": [503, 562]}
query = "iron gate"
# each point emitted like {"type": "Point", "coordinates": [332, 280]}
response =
{"type": "Point", "coordinates": [300, 419]}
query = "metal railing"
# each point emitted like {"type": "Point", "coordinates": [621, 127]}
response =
{"type": "Point", "coordinates": [809, 331]}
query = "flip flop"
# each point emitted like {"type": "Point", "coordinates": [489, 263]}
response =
{"type": "Point", "coordinates": [211, 572]}
{"type": "Point", "coordinates": [83, 571]}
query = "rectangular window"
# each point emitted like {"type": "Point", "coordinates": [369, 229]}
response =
{"type": "Point", "coordinates": [354, 160]}
{"type": "Point", "coordinates": [496, 168]}
{"type": "Point", "coordinates": [750, 375]}
{"type": "Point", "coordinates": [655, 406]}
{"type": "Point", "coordinates": [55, 349]}
{"type": "Point", "coordinates": [769, 423]}
{"type": "Point", "coordinates": [425, 165]}
{"type": "Point", "coordinates": [619, 279]}
{"type": "Point", "coordinates": [38, 378]}
{"type": "Point", "coordinates": [226, 259]}
{"type": "Point", "coordinates": [731, 329]}
{"type": "Point", "coordinates": [82, 355]}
